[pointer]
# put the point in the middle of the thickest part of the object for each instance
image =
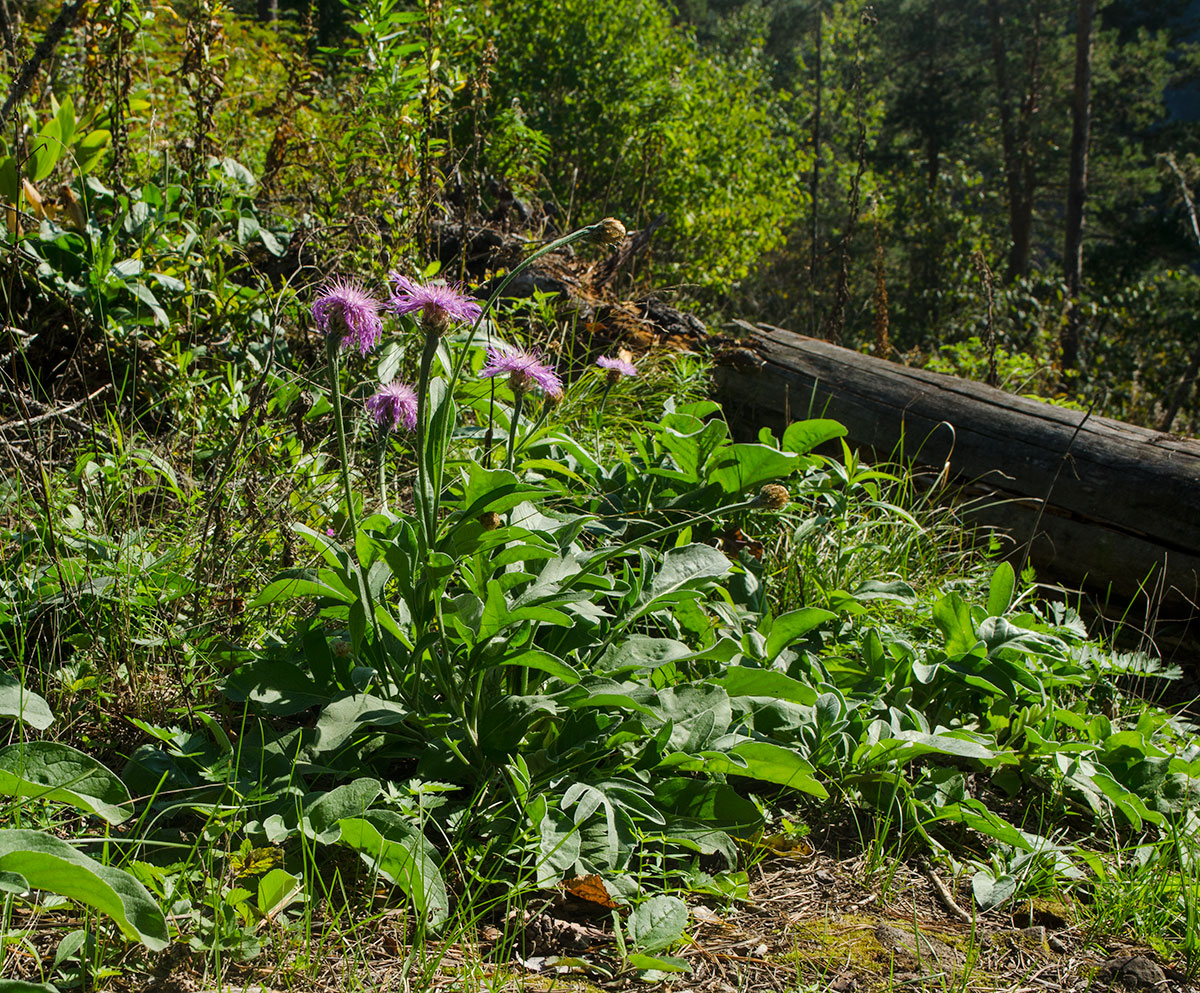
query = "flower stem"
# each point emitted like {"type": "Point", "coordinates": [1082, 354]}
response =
{"type": "Point", "coordinates": [518, 402]}
{"type": "Point", "coordinates": [426, 499]}
{"type": "Point", "coordinates": [335, 390]}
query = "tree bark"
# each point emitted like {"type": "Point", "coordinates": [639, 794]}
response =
{"type": "Point", "coordinates": [1081, 122]}
{"type": "Point", "coordinates": [1016, 138]}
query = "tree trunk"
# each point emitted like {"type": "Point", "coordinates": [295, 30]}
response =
{"type": "Point", "coordinates": [815, 185]}
{"type": "Point", "coordinates": [268, 10]}
{"type": "Point", "coordinates": [1016, 139]}
{"type": "Point", "coordinates": [1081, 118]}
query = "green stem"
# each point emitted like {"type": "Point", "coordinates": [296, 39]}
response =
{"type": "Point", "coordinates": [335, 389]}
{"type": "Point", "coordinates": [509, 456]}
{"type": "Point", "coordinates": [600, 414]}
{"type": "Point", "coordinates": [426, 500]}
{"type": "Point", "coordinates": [383, 489]}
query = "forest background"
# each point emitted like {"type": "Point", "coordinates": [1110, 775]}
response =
{"type": "Point", "coordinates": [892, 176]}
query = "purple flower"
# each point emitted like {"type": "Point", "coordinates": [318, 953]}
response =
{"type": "Point", "coordinates": [524, 369]}
{"type": "Point", "coordinates": [393, 405]}
{"type": "Point", "coordinates": [346, 309]}
{"type": "Point", "coordinates": [439, 303]}
{"type": "Point", "coordinates": [616, 367]}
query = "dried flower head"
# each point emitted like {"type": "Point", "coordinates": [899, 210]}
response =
{"type": "Point", "coordinates": [773, 497]}
{"type": "Point", "coordinates": [524, 369]}
{"type": "Point", "coordinates": [489, 520]}
{"type": "Point", "coordinates": [393, 405]}
{"type": "Point", "coordinates": [609, 231]}
{"type": "Point", "coordinates": [618, 367]}
{"type": "Point", "coordinates": [345, 308]}
{"type": "Point", "coordinates": [439, 304]}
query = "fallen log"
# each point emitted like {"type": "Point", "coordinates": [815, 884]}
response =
{"type": "Point", "coordinates": [1091, 501]}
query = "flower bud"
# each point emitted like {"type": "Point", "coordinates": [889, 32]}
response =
{"type": "Point", "coordinates": [773, 497]}
{"type": "Point", "coordinates": [489, 520]}
{"type": "Point", "coordinates": [609, 231]}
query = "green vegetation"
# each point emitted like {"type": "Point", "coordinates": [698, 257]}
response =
{"type": "Point", "coordinates": [323, 620]}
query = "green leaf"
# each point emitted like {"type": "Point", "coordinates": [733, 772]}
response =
{"type": "Point", "coordinates": [1000, 592]}
{"type": "Point", "coordinates": [544, 662]}
{"type": "Point", "coordinates": [400, 853]}
{"type": "Point", "coordinates": [53, 771]}
{"type": "Point", "coordinates": [45, 150]}
{"type": "Point", "coordinates": [10, 183]}
{"type": "Point", "coordinates": [20, 986]}
{"type": "Point", "coordinates": [953, 619]}
{"type": "Point", "coordinates": [348, 800]}
{"type": "Point", "coordinates": [691, 567]}
{"type": "Point", "coordinates": [738, 468]}
{"type": "Point", "coordinates": [803, 436]}
{"type": "Point", "coordinates": [792, 626]}
{"type": "Point", "coordinates": [657, 963]}
{"type": "Point", "coordinates": [22, 704]}
{"type": "Point", "coordinates": [743, 681]}
{"type": "Point", "coordinates": [53, 865]}
{"type": "Point", "coordinates": [990, 892]}
{"type": "Point", "coordinates": [90, 147]}
{"type": "Point", "coordinates": [277, 890]}
{"type": "Point", "coordinates": [294, 583]}
{"type": "Point", "coordinates": [657, 923]}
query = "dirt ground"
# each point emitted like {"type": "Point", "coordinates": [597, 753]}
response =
{"type": "Point", "coordinates": [811, 923]}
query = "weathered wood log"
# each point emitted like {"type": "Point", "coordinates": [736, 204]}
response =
{"type": "Point", "coordinates": [1091, 500]}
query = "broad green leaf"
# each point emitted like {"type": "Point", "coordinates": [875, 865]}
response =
{"type": "Point", "coordinates": [277, 890]}
{"type": "Point", "coordinates": [792, 626]}
{"type": "Point", "coordinates": [657, 923]}
{"type": "Point", "coordinates": [990, 892]}
{"type": "Point", "coordinates": [400, 853]}
{"type": "Point", "coordinates": [53, 865]}
{"type": "Point", "coordinates": [348, 800]}
{"type": "Point", "coordinates": [20, 986]}
{"type": "Point", "coordinates": [294, 583]}
{"type": "Point", "coordinates": [22, 704]}
{"type": "Point", "coordinates": [657, 963]}
{"type": "Point", "coordinates": [642, 653]}
{"type": "Point", "coordinates": [53, 771]}
{"type": "Point", "coordinates": [737, 468]}
{"type": "Point", "coordinates": [10, 183]}
{"type": "Point", "coordinates": [803, 436]}
{"type": "Point", "coordinates": [544, 662]}
{"type": "Point", "coordinates": [953, 619]}
{"type": "Point", "coordinates": [13, 882]}
{"type": "Point", "coordinates": [716, 804]}
{"type": "Point", "coordinates": [44, 151]}
{"type": "Point", "coordinates": [343, 719]}
{"type": "Point", "coordinates": [1000, 592]}
{"type": "Point", "coordinates": [744, 681]}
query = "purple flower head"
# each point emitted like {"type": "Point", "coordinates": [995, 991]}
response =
{"type": "Point", "coordinates": [524, 369]}
{"type": "Point", "coordinates": [616, 367]}
{"type": "Point", "coordinates": [393, 405]}
{"type": "Point", "coordinates": [440, 304]}
{"type": "Point", "coordinates": [345, 308]}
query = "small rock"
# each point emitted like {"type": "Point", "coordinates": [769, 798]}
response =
{"type": "Point", "coordinates": [1133, 970]}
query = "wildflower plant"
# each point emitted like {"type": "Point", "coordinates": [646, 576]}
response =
{"type": "Point", "coordinates": [539, 634]}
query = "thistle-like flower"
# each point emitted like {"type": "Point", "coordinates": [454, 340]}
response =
{"type": "Point", "coordinates": [439, 304]}
{"type": "Point", "coordinates": [345, 308]}
{"type": "Point", "coordinates": [524, 369]}
{"type": "Point", "coordinates": [773, 497]}
{"type": "Point", "coordinates": [393, 405]}
{"type": "Point", "coordinates": [616, 368]}
{"type": "Point", "coordinates": [609, 231]}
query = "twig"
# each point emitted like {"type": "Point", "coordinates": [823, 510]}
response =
{"type": "Point", "coordinates": [943, 893]}
{"type": "Point", "coordinates": [51, 414]}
